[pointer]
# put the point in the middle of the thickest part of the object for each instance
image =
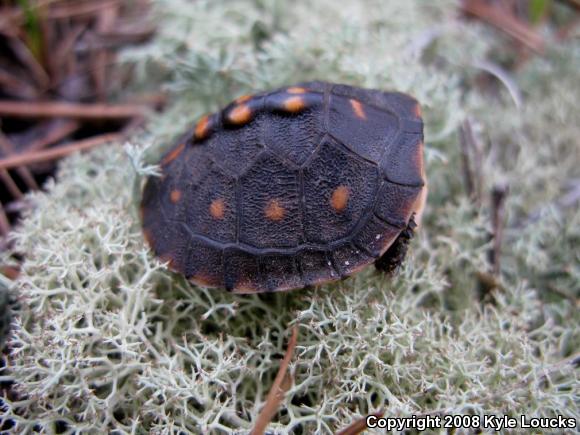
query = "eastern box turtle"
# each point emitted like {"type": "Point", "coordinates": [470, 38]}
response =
{"type": "Point", "coordinates": [285, 189]}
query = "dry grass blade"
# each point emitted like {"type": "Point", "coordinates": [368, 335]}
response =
{"type": "Point", "coordinates": [358, 426]}
{"type": "Point", "coordinates": [57, 153]}
{"type": "Point", "coordinates": [281, 385]}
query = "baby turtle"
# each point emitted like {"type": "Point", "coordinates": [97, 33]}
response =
{"type": "Point", "coordinates": [291, 188]}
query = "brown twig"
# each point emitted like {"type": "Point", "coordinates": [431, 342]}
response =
{"type": "Point", "coordinates": [57, 153]}
{"type": "Point", "coordinates": [359, 425]}
{"type": "Point", "coordinates": [69, 110]}
{"type": "Point", "coordinates": [505, 22]}
{"type": "Point", "coordinates": [281, 385]}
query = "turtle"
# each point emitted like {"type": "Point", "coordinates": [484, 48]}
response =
{"type": "Point", "coordinates": [290, 188]}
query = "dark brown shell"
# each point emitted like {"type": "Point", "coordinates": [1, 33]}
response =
{"type": "Point", "coordinates": [294, 187]}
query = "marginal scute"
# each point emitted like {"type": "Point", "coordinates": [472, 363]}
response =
{"type": "Point", "coordinates": [395, 203]}
{"type": "Point", "coordinates": [241, 272]}
{"type": "Point", "coordinates": [403, 163]}
{"type": "Point", "coordinates": [376, 236]}
{"type": "Point", "coordinates": [169, 241]}
{"type": "Point", "coordinates": [204, 265]}
{"type": "Point", "coordinates": [350, 259]}
{"type": "Point", "coordinates": [316, 267]}
{"type": "Point", "coordinates": [281, 272]}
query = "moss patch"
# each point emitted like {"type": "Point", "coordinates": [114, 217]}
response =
{"type": "Point", "coordinates": [108, 340]}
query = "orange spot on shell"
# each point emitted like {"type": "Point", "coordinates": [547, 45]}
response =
{"type": "Point", "coordinates": [217, 208]}
{"type": "Point", "coordinates": [274, 211]}
{"type": "Point", "coordinates": [296, 90]}
{"type": "Point", "coordinates": [339, 199]}
{"type": "Point", "coordinates": [240, 114]}
{"type": "Point", "coordinates": [173, 154]}
{"type": "Point", "coordinates": [201, 128]}
{"type": "Point", "coordinates": [175, 195]}
{"type": "Point", "coordinates": [294, 104]}
{"type": "Point", "coordinates": [243, 98]}
{"type": "Point", "coordinates": [358, 109]}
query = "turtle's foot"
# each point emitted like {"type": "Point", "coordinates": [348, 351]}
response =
{"type": "Point", "coordinates": [392, 259]}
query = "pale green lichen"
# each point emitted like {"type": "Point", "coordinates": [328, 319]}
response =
{"type": "Point", "coordinates": [108, 340]}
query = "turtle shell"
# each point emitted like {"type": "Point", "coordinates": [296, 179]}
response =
{"type": "Point", "coordinates": [281, 190]}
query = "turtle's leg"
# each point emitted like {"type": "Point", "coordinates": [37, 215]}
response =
{"type": "Point", "coordinates": [392, 259]}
